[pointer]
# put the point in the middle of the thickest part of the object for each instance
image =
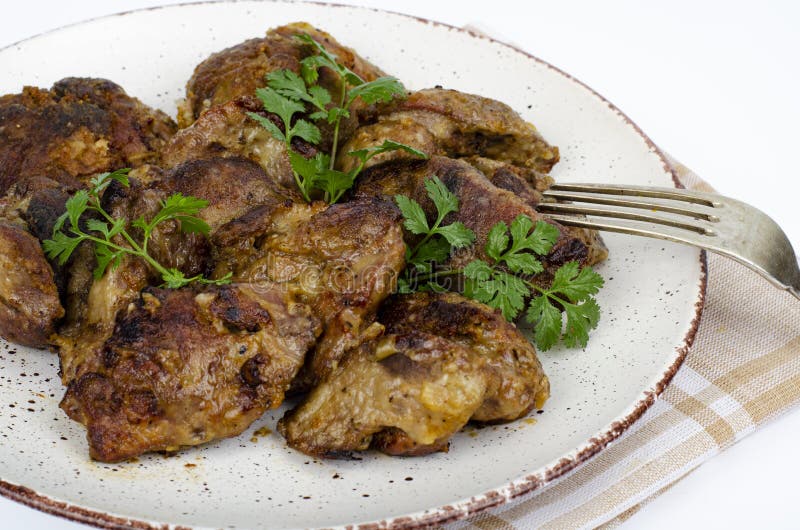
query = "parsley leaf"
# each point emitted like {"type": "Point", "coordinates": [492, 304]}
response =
{"type": "Point", "coordinates": [580, 319]}
{"type": "Point", "coordinates": [457, 234]}
{"type": "Point", "coordinates": [523, 242]}
{"type": "Point", "coordinates": [382, 89]}
{"type": "Point", "coordinates": [292, 86]}
{"type": "Point", "coordinates": [523, 263]}
{"type": "Point", "coordinates": [388, 145]}
{"type": "Point", "coordinates": [438, 240]}
{"type": "Point", "coordinates": [547, 319]}
{"type": "Point", "coordinates": [477, 270]}
{"type": "Point", "coordinates": [333, 183]}
{"type": "Point", "coordinates": [325, 58]}
{"type": "Point", "coordinates": [183, 209]}
{"type": "Point", "coordinates": [572, 288]}
{"type": "Point", "coordinates": [497, 240]}
{"type": "Point", "coordinates": [540, 241]}
{"type": "Point", "coordinates": [435, 250]}
{"type": "Point", "coordinates": [61, 246]}
{"type": "Point", "coordinates": [517, 248]}
{"type": "Point", "coordinates": [281, 105]}
{"type": "Point", "coordinates": [575, 283]}
{"type": "Point", "coordinates": [445, 201]}
{"type": "Point", "coordinates": [268, 125]}
{"type": "Point", "coordinates": [76, 205]}
{"type": "Point", "coordinates": [415, 220]}
{"type": "Point", "coordinates": [307, 131]}
{"type": "Point", "coordinates": [98, 183]}
{"type": "Point", "coordinates": [105, 257]}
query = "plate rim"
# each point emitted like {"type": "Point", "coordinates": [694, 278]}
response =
{"type": "Point", "coordinates": [522, 485]}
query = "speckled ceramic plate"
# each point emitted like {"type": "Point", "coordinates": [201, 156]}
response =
{"type": "Point", "coordinates": [651, 304]}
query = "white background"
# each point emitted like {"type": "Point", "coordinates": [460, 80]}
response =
{"type": "Point", "coordinates": [716, 84]}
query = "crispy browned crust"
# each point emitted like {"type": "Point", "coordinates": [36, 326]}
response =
{"type": "Point", "coordinates": [29, 303]}
{"type": "Point", "coordinates": [240, 70]}
{"type": "Point", "coordinates": [165, 369]}
{"type": "Point", "coordinates": [226, 131]}
{"type": "Point", "coordinates": [526, 183]}
{"type": "Point", "coordinates": [33, 205]}
{"type": "Point", "coordinates": [92, 304]}
{"type": "Point", "coordinates": [342, 260]}
{"type": "Point", "coordinates": [476, 125]}
{"type": "Point", "coordinates": [177, 369]}
{"type": "Point", "coordinates": [455, 124]}
{"type": "Point", "coordinates": [519, 381]}
{"type": "Point", "coordinates": [441, 361]}
{"type": "Point", "coordinates": [232, 186]}
{"type": "Point", "coordinates": [76, 129]}
{"type": "Point", "coordinates": [394, 442]}
{"type": "Point", "coordinates": [41, 201]}
{"type": "Point", "coordinates": [487, 134]}
{"type": "Point", "coordinates": [184, 367]}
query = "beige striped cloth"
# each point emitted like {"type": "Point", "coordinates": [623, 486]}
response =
{"type": "Point", "coordinates": [742, 371]}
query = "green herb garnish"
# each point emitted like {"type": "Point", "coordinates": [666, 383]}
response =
{"type": "Point", "coordinates": [495, 286]}
{"type": "Point", "coordinates": [572, 289]}
{"type": "Point", "coordinates": [288, 94]}
{"type": "Point", "coordinates": [508, 288]}
{"type": "Point", "coordinates": [437, 240]}
{"type": "Point", "coordinates": [104, 232]}
{"type": "Point", "coordinates": [503, 283]}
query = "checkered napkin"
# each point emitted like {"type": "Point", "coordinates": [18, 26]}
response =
{"type": "Point", "coordinates": [742, 371]}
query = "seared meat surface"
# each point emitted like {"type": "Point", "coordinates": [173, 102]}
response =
{"type": "Point", "coordinates": [76, 129]}
{"type": "Point", "coordinates": [528, 184]}
{"type": "Point", "coordinates": [447, 122]}
{"type": "Point", "coordinates": [482, 204]}
{"type": "Point", "coordinates": [232, 186]}
{"type": "Point", "coordinates": [184, 367]}
{"type": "Point", "coordinates": [29, 303]}
{"type": "Point", "coordinates": [240, 70]}
{"type": "Point", "coordinates": [441, 361]}
{"type": "Point", "coordinates": [343, 261]}
{"type": "Point", "coordinates": [224, 131]}
{"type": "Point", "coordinates": [30, 306]}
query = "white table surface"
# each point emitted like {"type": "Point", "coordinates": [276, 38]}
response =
{"type": "Point", "coordinates": [716, 84]}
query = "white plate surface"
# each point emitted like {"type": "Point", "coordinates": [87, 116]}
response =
{"type": "Point", "coordinates": [650, 304]}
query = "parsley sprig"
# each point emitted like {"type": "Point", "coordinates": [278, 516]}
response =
{"type": "Point", "coordinates": [506, 284]}
{"type": "Point", "coordinates": [106, 231]}
{"type": "Point", "coordinates": [437, 240]}
{"type": "Point", "coordinates": [505, 281]}
{"type": "Point", "coordinates": [288, 95]}
{"type": "Point", "coordinates": [495, 286]}
{"type": "Point", "coordinates": [573, 289]}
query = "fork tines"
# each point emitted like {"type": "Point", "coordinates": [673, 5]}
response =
{"type": "Point", "coordinates": [693, 211]}
{"type": "Point", "coordinates": [713, 222]}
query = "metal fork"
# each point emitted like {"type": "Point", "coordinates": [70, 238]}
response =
{"type": "Point", "coordinates": [706, 220]}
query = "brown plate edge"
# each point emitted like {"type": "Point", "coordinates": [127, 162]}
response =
{"type": "Point", "coordinates": [443, 514]}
